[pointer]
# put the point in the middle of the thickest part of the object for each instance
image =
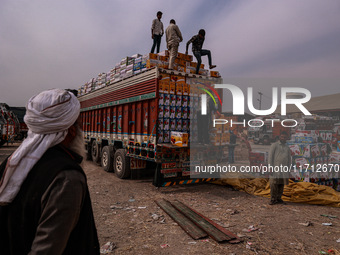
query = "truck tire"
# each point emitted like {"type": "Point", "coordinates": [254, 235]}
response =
{"type": "Point", "coordinates": [95, 152]}
{"type": "Point", "coordinates": [121, 164]}
{"type": "Point", "coordinates": [106, 159]}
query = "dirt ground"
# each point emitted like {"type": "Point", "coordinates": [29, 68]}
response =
{"type": "Point", "coordinates": [127, 215]}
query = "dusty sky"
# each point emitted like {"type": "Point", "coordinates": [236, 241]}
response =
{"type": "Point", "coordinates": [260, 43]}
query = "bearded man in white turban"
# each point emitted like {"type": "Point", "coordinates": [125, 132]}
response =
{"type": "Point", "coordinates": [45, 206]}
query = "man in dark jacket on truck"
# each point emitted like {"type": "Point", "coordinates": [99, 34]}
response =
{"type": "Point", "coordinates": [197, 44]}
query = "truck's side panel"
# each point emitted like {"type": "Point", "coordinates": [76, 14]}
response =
{"type": "Point", "coordinates": [119, 122]}
{"type": "Point", "coordinates": [108, 123]}
{"type": "Point", "coordinates": [139, 123]}
{"type": "Point", "coordinates": [114, 122]}
{"type": "Point", "coordinates": [129, 111]}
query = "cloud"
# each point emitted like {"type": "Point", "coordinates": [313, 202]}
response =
{"type": "Point", "coordinates": [45, 44]}
{"type": "Point", "coordinates": [254, 35]}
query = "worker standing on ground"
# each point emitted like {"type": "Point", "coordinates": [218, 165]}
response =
{"type": "Point", "coordinates": [279, 155]}
{"type": "Point", "coordinates": [173, 38]}
{"type": "Point", "coordinates": [45, 205]}
{"type": "Point", "coordinates": [197, 44]}
{"type": "Point", "coordinates": [157, 32]}
{"type": "Point", "coordinates": [231, 148]}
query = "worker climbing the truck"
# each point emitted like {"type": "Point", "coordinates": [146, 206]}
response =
{"type": "Point", "coordinates": [157, 32]}
{"type": "Point", "coordinates": [173, 38]}
{"type": "Point", "coordinates": [197, 44]}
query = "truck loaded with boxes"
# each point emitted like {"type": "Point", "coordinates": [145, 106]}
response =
{"type": "Point", "coordinates": [141, 112]}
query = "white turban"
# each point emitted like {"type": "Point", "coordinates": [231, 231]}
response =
{"type": "Point", "coordinates": [48, 117]}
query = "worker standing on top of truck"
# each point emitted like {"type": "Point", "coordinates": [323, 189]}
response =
{"type": "Point", "coordinates": [173, 38]}
{"type": "Point", "coordinates": [157, 32]}
{"type": "Point", "coordinates": [197, 44]}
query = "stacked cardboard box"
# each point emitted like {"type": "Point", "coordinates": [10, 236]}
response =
{"type": "Point", "coordinates": [310, 136]}
{"type": "Point", "coordinates": [313, 160]}
{"type": "Point", "coordinates": [173, 109]}
{"type": "Point", "coordinates": [129, 66]}
{"type": "Point", "coordinates": [220, 133]}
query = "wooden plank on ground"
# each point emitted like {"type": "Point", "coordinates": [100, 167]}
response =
{"type": "Point", "coordinates": [188, 226]}
{"type": "Point", "coordinates": [235, 238]}
{"type": "Point", "coordinates": [212, 231]}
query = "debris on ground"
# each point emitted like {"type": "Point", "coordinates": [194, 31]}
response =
{"type": "Point", "coordinates": [205, 240]}
{"type": "Point", "coordinates": [157, 218]}
{"type": "Point", "coordinates": [306, 224]}
{"type": "Point", "coordinates": [251, 228]}
{"type": "Point", "coordinates": [329, 216]}
{"type": "Point", "coordinates": [248, 245]}
{"type": "Point", "coordinates": [107, 248]}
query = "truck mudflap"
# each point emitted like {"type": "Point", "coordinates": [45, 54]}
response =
{"type": "Point", "coordinates": [162, 183]}
{"type": "Point", "coordinates": [173, 166]}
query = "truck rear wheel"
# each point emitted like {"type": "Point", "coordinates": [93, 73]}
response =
{"type": "Point", "coordinates": [121, 164]}
{"type": "Point", "coordinates": [106, 159]}
{"type": "Point", "coordinates": [95, 152]}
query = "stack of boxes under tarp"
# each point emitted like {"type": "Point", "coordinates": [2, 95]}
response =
{"type": "Point", "coordinates": [310, 150]}
{"type": "Point", "coordinates": [138, 63]}
{"type": "Point", "coordinates": [220, 136]}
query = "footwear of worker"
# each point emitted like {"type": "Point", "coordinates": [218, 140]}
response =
{"type": "Point", "coordinates": [212, 66]}
{"type": "Point", "coordinates": [280, 201]}
{"type": "Point", "coordinates": [273, 202]}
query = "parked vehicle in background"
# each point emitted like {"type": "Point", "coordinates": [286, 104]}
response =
{"type": "Point", "coordinates": [2, 127]}
{"type": "Point", "coordinates": [20, 112]}
{"type": "Point", "coordinates": [267, 131]}
{"type": "Point", "coordinates": [10, 126]}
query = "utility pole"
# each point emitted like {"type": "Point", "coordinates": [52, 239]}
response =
{"type": "Point", "coordinates": [260, 100]}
